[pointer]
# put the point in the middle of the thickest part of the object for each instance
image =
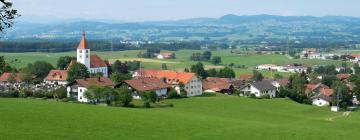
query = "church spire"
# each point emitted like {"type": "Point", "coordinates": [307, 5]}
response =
{"type": "Point", "coordinates": [83, 43]}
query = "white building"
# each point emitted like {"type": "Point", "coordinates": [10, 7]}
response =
{"type": "Point", "coordinates": [321, 100]}
{"type": "Point", "coordinates": [78, 88]}
{"type": "Point", "coordinates": [93, 62]}
{"type": "Point", "coordinates": [192, 83]}
{"type": "Point", "coordinates": [259, 89]}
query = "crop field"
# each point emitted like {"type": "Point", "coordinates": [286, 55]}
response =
{"type": "Point", "coordinates": [197, 118]}
{"type": "Point", "coordinates": [182, 60]}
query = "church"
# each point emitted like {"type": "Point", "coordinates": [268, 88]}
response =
{"type": "Point", "coordinates": [92, 61]}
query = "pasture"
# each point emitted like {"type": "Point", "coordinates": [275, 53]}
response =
{"type": "Point", "coordinates": [182, 60]}
{"type": "Point", "coordinates": [197, 118]}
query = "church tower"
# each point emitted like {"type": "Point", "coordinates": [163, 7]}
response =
{"type": "Point", "coordinates": [83, 52]}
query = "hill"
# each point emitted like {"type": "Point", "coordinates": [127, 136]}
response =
{"type": "Point", "coordinates": [211, 118]}
{"type": "Point", "coordinates": [226, 29]}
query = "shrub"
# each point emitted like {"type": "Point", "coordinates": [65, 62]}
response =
{"type": "Point", "coordinates": [26, 93]}
{"type": "Point", "coordinates": [173, 94]}
{"type": "Point", "coordinates": [60, 93]}
{"type": "Point", "coordinates": [267, 96]}
{"type": "Point", "coordinates": [9, 94]}
{"type": "Point", "coordinates": [252, 96]}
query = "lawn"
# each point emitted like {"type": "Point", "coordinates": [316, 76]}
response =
{"type": "Point", "coordinates": [180, 63]}
{"type": "Point", "coordinates": [200, 118]}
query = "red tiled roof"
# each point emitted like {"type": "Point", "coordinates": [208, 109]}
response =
{"type": "Point", "coordinates": [356, 55]}
{"type": "Point", "coordinates": [96, 61]}
{"type": "Point", "coordinates": [216, 84]}
{"type": "Point", "coordinates": [343, 76]}
{"type": "Point", "coordinates": [6, 75]}
{"type": "Point", "coordinates": [147, 84]}
{"type": "Point", "coordinates": [170, 76]}
{"type": "Point", "coordinates": [245, 77]}
{"type": "Point", "coordinates": [102, 82]}
{"type": "Point", "coordinates": [83, 43]}
{"type": "Point", "coordinates": [57, 75]}
{"type": "Point", "coordinates": [326, 92]}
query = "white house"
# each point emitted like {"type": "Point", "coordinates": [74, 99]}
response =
{"type": "Point", "coordinates": [93, 62]}
{"type": "Point", "coordinates": [259, 89]}
{"type": "Point", "coordinates": [267, 67]}
{"type": "Point", "coordinates": [78, 88]}
{"type": "Point", "coordinates": [321, 100]}
{"type": "Point", "coordinates": [57, 77]}
{"type": "Point", "coordinates": [165, 55]}
{"type": "Point", "coordinates": [147, 84]}
{"type": "Point", "coordinates": [192, 83]}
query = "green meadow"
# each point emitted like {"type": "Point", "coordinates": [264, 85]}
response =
{"type": "Point", "coordinates": [197, 118]}
{"type": "Point", "coordinates": [182, 60]}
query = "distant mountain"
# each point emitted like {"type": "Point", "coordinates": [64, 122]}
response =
{"type": "Point", "coordinates": [228, 28]}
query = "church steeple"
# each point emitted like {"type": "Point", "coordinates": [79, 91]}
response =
{"type": "Point", "coordinates": [83, 43]}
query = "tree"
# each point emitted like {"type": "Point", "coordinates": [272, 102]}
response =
{"type": "Point", "coordinates": [173, 94]}
{"type": "Point", "coordinates": [198, 68]}
{"type": "Point", "coordinates": [117, 77]}
{"type": "Point", "coordinates": [212, 72]}
{"type": "Point", "coordinates": [297, 82]}
{"type": "Point", "coordinates": [216, 60]}
{"type": "Point", "coordinates": [186, 70]}
{"type": "Point", "coordinates": [77, 71]}
{"type": "Point", "coordinates": [12, 78]}
{"type": "Point", "coordinates": [227, 73]}
{"type": "Point", "coordinates": [257, 76]}
{"type": "Point", "coordinates": [120, 67]}
{"type": "Point", "coordinates": [341, 91]}
{"type": "Point", "coordinates": [2, 64]}
{"type": "Point", "coordinates": [64, 61]}
{"type": "Point", "coordinates": [148, 97]}
{"type": "Point", "coordinates": [196, 57]}
{"type": "Point", "coordinates": [357, 68]}
{"type": "Point", "coordinates": [123, 96]}
{"type": "Point", "coordinates": [328, 80]}
{"type": "Point", "coordinates": [8, 14]}
{"type": "Point", "coordinates": [164, 66]}
{"type": "Point", "coordinates": [278, 76]}
{"type": "Point", "coordinates": [93, 94]}
{"type": "Point", "coordinates": [60, 93]}
{"type": "Point", "coordinates": [25, 75]}
{"type": "Point", "coordinates": [40, 69]}
{"type": "Point", "coordinates": [206, 56]}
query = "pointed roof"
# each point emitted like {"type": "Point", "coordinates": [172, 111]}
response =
{"type": "Point", "coordinates": [83, 43]}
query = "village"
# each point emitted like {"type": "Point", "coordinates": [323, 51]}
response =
{"type": "Point", "coordinates": [87, 78]}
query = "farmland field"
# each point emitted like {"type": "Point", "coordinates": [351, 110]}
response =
{"type": "Point", "coordinates": [210, 118]}
{"type": "Point", "coordinates": [182, 59]}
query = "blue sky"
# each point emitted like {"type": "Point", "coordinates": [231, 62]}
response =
{"type": "Point", "coordinates": [145, 10]}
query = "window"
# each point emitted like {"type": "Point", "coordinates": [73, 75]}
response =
{"type": "Point", "coordinates": [87, 51]}
{"type": "Point", "coordinates": [80, 97]}
{"type": "Point", "coordinates": [87, 56]}
{"type": "Point", "coordinates": [80, 90]}
{"type": "Point", "coordinates": [80, 51]}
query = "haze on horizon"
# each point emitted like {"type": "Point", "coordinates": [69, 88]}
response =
{"type": "Point", "coordinates": [155, 10]}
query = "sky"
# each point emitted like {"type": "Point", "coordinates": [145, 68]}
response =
{"type": "Point", "coordinates": [156, 10]}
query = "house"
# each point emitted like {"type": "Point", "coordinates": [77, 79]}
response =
{"type": "Point", "coordinates": [259, 89]}
{"type": "Point", "coordinates": [314, 88]}
{"type": "Point", "coordinates": [220, 85]}
{"type": "Point", "coordinates": [192, 83]}
{"type": "Point", "coordinates": [355, 58]}
{"type": "Point", "coordinates": [267, 67]}
{"type": "Point", "coordinates": [6, 77]}
{"type": "Point", "coordinates": [323, 97]}
{"type": "Point", "coordinates": [279, 82]}
{"type": "Point", "coordinates": [343, 76]}
{"type": "Point", "coordinates": [78, 88]}
{"type": "Point", "coordinates": [147, 84]}
{"type": "Point", "coordinates": [245, 77]}
{"type": "Point", "coordinates": [92, 61]}
{"type": "Point", "coordinates": [57, 77]}
{"type": "Point", "coordinates": [166, 55]}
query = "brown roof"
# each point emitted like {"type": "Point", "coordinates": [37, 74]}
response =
{"type": "Point", "coordinates": [147, 84]}
{"type": "Point", "coordinates": [57, 75]}
{"type": "Point", "coordinates": [83, 43]}
{"type": "Point", "coordinates": [170, 76]}
{"type": "Point", "coordinates": [343, 76]}
{"type": "Point", "coordinates": [5, 76]}
{"type": "Point", "coordinates": [216, 84]}
{"type": "Point", "coordinates": [102, 82]}
{"type": "Point", "coordinates": [326, 92]}
{"type": "Point", "coordinates": [245, 77]}
{"type": "Point", "coordinates": [96, 61]}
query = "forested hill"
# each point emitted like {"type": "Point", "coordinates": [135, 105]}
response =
{"type": "Point", "coordinates": [229, 29]}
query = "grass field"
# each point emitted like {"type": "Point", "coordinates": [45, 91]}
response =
{"type": "Point", "coordinates": [182, 59]}
{"type": "Point", "coordinates": [200, 118]}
